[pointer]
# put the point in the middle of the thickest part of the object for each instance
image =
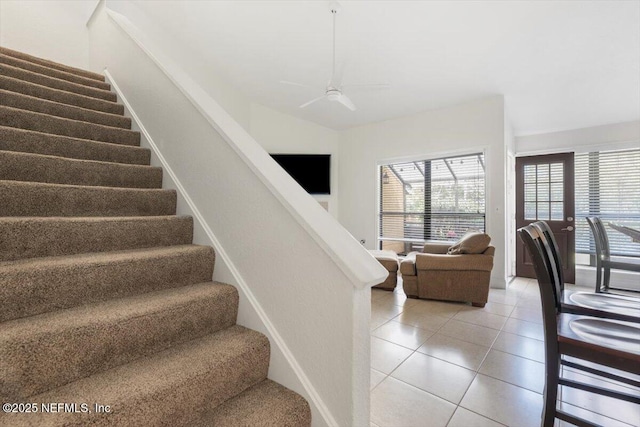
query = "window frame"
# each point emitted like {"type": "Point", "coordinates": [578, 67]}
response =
{"type": "Point", "coordinates": [380, 237]}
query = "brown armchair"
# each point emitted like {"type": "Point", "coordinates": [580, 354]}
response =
{"type": "Point", "coordinates": [434, 274]}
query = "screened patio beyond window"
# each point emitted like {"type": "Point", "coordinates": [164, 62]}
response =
{"type": "Point", "coordinates": [425, 200]}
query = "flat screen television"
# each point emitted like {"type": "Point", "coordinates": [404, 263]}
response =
{"type": "Point", "coordinates": [311, 171]}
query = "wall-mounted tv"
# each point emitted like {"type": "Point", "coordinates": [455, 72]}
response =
{"type": "Point", "coordinates": [311, 171]}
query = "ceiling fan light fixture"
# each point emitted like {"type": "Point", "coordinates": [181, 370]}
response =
{"type": "Point", "coordinates": [333, 94]}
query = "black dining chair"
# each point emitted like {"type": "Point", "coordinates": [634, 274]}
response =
{"type": "Point", "coordinates": [605, 342]}
{"type": "Point", "coordinates": [611, 306]}
{"type": "Point", "coordinates": [604, 263]}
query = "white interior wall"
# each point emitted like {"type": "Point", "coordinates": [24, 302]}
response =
{"type": "Point", "coordinates": [468, 128]}
{"type": "Point", "coordinates": [281, 133]}
{"type": "Point", "coordinates": [597, 138]}
{"type": "Point", "coordinates": [208, 77]}
{"type": "Point", "coordinates": [51, 29]}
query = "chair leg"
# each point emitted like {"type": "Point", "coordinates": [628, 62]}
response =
{"type": "Point", "coordinates": [598, 277]}
{"type": "Point", "coordinates": [552, 368]}
{"type": "Point", "coordinates": [607, 277]}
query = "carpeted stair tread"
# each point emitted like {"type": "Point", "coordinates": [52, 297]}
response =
{"type": "Point", "coordinates": [59, 170]}
{"type": "Point", "coordinates": [34, 237]}
{"type": "Point", "coordinates": [52, 108]}
{"type": "Point", "coordinates": [23, 119]}
{"type": "Point", "coordinates": [266, 404]}
{"type": "Point", "coordinates": [29, 141]}
{"type": "Point", "coordinates": [38, 199]}
{"type": "Point", "coordinates": [51, 64]}
{"type": "Point", "coordinates": [66, 345]}
{"type": "Point", "coordinates": [40, 285]}
{"type": "Point", "coordinates": [57, 95]}
{"type": "Point", "coordinates": [52, 72]}
{"type": "Point", "coordinates": [41, 79]}
{"type": "Point", "coordinates": [169, 388]}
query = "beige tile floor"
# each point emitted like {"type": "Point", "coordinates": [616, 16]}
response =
{"type": "Point", "coordinates": [438, 364]}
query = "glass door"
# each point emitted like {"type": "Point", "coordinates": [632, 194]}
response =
{"type": "Point", "coordinates": [545, 191]}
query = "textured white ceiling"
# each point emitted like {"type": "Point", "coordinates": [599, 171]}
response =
{"type": "Point", "coordinates": [559, 64]}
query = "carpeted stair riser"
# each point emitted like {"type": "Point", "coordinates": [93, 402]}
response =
{"type": "Point", "coordinates": [36, 199]}
{"type": "Point", "coordinates": [58, 170]}
{"type": "Point", "coordinates": [41, 285]}
{"type": "Point", "coordinates": [51, 64]}
{"type": "Point", "coordinates": [28, 237]}
{"type": "Point", "coordinates": [67, 345]}
{"type": "Point", "coordinates": [56, 95]}
{"type": "Point", "coordinates": [28, 141]}
{"type": "Point", "coordinates": [266, 400]}
{"type": "Point", "coordinates": [38, 105]}
{"type": "Point", "coordinates": [52, 82]}
{"type": "Point", "coordinates": [52, 72]}
{"type": "Point", "coordinates": [169, 388]}
{"type": "Point", "coordinates": [13, 117]}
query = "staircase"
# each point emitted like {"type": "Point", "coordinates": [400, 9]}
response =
{"type": "Point", "coordinates": [104, 300]}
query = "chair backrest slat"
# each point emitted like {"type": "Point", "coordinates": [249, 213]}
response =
{"type": "Point", "coordinates": [543, 265]}
{"type": "Point", "coordinates": [548, 243]}
{"type": "Point", "coordinates": [604, 237]}
{"type": "Point", "coordinates": [600, 237]}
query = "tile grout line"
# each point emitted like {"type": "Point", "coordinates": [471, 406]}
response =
{"type": "Point", "coordinates": [480, 367]}
{"type": "Point", "coordinates": [522, 298]}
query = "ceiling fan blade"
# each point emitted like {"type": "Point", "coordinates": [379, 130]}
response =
{"type": "Point", "coordinates": [286, 82]}
{"type": "Point", "coordinates": [306, 104]}
{"type": "Point", "coordinates": [344, 100]}
{"type": "Point", "coordinates": [368, 86]}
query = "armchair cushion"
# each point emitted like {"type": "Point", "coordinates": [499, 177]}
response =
{"type": "Point", "coordinates": [436, 248]}
{"type": "Point", "coordinates": [473, 242]}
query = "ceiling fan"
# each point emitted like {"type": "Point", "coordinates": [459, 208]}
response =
{"type": "Point", "coordinates": [333, 91]}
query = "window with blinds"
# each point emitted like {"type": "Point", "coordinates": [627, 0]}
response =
{"type": "Point", "coordinates": [435, 199]}
{"type": "Point", "coordinates": [608, 186]}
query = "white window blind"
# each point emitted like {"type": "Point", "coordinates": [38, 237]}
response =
{"type": "Point", "coordinates": [607, 185]}
{"type": "Point", "coordinates": [436, 199]}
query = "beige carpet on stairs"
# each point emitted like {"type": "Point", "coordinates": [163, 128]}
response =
{"type": "Point", "coordinates": [104, 300]}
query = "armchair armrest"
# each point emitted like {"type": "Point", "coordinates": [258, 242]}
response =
{"type": "Point", "coordinates": [408, 265]}
{"type": "Point", "coordinates": [479, 262]}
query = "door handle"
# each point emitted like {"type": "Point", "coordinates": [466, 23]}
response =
{"type": "Point", "coordinates": [569, 228]}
